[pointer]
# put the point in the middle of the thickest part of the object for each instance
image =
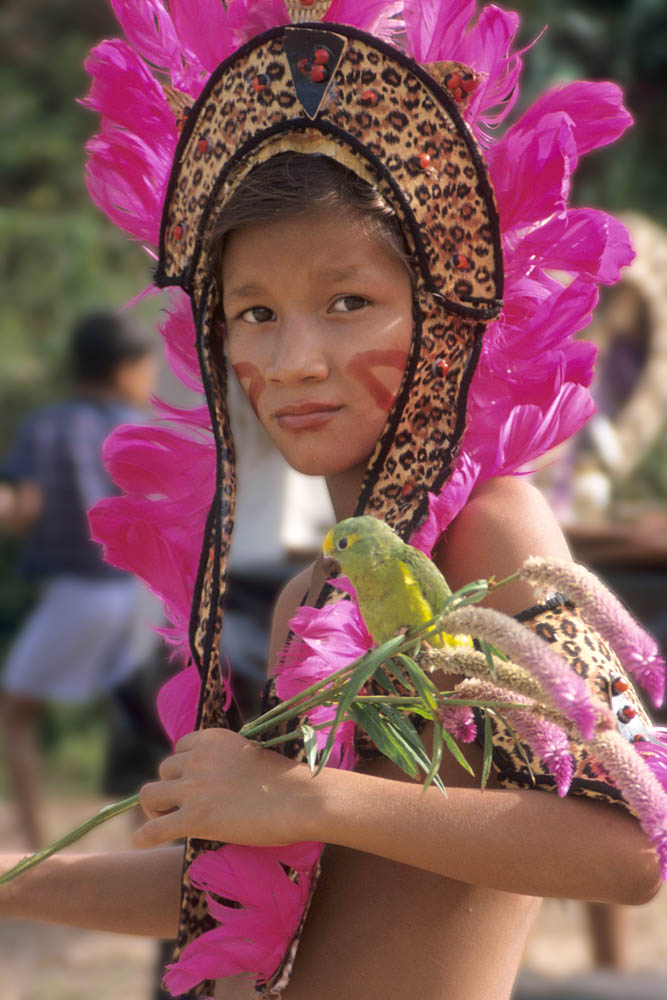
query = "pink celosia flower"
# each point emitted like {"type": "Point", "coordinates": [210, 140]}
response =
{"type": "Point", "coordinates": [547, 740]}
{"type": "Point", "coordinates": [654, 751]}
{"type": "Point", "coordinates": [635, 648]}
{"type": "Point", "coordinates": [459, 721]}
{"type": "Point", "coordinates": [639, 786]}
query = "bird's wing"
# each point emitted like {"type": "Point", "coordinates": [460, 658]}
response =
{"type": "Point", "coordinates": [407, 607]}
{"type": "Point", "coordinates": [430, 580]}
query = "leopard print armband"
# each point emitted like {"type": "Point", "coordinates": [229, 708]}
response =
{"type": "Point", "coordinates": [559, 623]}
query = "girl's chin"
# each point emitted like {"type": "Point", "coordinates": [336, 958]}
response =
{"type": "Point", "coordinates": [326, 465]}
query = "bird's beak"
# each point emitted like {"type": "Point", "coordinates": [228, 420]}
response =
{"type": "Point", "coordinates": [328, 543]}
{"type": "Point", "coordinates": [331, 567]}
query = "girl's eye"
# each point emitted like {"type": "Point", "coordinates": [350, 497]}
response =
{"type": "Point", "coordinates": [258, 314]}
{"type": "Point", "coordinates": [349, 303]}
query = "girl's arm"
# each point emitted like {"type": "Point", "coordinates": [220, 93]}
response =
{"type": "Point", "coordinates": [128, 892]}
{"type": "Point", "coordinates": [220, 786]}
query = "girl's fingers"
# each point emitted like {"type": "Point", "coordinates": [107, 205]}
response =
{"type": "Point", "coordinates": [160, 797]}
{"type": "Point", "coordinates": [158, 831]}
{"type": "Point", "coordinates": [172, 767]}
{"type": "Point", "coordinates": [186, 742]}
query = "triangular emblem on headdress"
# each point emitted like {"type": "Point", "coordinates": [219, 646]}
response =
{"type": "Point", "coordinates": [313, 58]}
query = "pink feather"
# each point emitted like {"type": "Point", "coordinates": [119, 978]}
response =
{"type": "Point", "coordinates": [378, 17]}
{"type": "Point", "coordinates": [434, 28]}
{"type": "Point", "coordinates": [595, 109]}
{"type": "Point", "coordinates": [585, 241]}
{"type": "Point", "coordinates": [207, 28]}
{"type": "Point", "coordinates": [178, 332]}
{"type": "Point", "coordinates": [177, 703]}
{"type": "Point", "coordinates": [150, 29]}
{"type": "Point", "coordinates": [127, 94]}
{"type": "Point", "coordinates": [127, 179]}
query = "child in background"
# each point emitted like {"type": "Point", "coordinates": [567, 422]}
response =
{"type": "Point", "coordinates": [333, 223]}
{"type": "Point", "coordinates": [85, 635]}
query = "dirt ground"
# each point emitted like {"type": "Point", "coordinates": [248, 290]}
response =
{"type": "Point", "coordinates": [44, 962]}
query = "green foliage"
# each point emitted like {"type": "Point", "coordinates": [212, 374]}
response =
{"type": "Point", "coordinates": [59, 256]}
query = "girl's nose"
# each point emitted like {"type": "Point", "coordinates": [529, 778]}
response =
{"type": "Point", "coordinates": [298, 353]}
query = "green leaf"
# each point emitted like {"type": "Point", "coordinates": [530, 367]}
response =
{"type": "Point", "coordinates": [471, 593]}
{"type": "Point", "coordinates": [411, 739]}
{"type": "Point", "coordinates": [384, 738]}
{"type": "Point", "coordinates": [424, 686]}
{"type": "Point", "coordinates": [395, 668]}
{"type": "Point", "coordinates": [381, 677]}
{"type": "Point", "coordinates": [362, 673]}
{"type": "Point", "coordinates": [436, 754]}
{"type": "Point", "coordinates": [420, 710]}
{"type": "Point", "coordinates": [488, 653]}
{"type": "Point", "coordinates": [455, 751]}
{"type": "Point", "coordinates": [309, 744]}
{"type": "Point", "coordinates": [488, 749]}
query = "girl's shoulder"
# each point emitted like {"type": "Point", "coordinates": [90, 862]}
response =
{"type": "Point", "coordinates": [504, 521]}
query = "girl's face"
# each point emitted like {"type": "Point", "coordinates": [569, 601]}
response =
{"type": "Point", "coordinates": [318, 317]}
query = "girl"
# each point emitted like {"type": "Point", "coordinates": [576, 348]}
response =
{"type": "Point", "coordinates": [332, 221]}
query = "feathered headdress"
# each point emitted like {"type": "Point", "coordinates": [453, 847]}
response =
{"type": "Point", "coordinates": [485, 392]}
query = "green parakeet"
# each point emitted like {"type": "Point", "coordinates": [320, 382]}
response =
{"type": "Point", "coordinates": [397, 585]}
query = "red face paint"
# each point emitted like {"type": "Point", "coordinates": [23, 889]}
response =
{"type": "Point", "coordinates": [361, 367]}
{"type": "Point", "coordinates": [252, 382]}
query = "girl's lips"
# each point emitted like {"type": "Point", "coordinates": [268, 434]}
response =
{"type": "Point", "coordinates": [306, 416]}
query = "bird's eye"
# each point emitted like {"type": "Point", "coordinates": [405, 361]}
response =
{"type": "Point", "coordinates": [341, 544]}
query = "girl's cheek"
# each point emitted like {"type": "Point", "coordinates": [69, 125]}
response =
{"type": "Point", "coordinates": [361, 367]}
{"type": "Point", "coordinates": [252, 381]}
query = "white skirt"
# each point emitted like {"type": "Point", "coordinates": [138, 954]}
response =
{"type": "Point", "coordinates": [82, 639]}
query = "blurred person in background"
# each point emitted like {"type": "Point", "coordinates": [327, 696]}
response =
{"type": "Point", "coordinates": [87, 633]}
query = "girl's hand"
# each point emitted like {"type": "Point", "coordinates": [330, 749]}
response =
{"type": "Point", "coordinates": [219, 786]}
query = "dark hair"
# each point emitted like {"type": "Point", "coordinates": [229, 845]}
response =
{"type": "Point", "coordinates": [100, 342]}
{"type": "Point", "coordinates": [291, 184]}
